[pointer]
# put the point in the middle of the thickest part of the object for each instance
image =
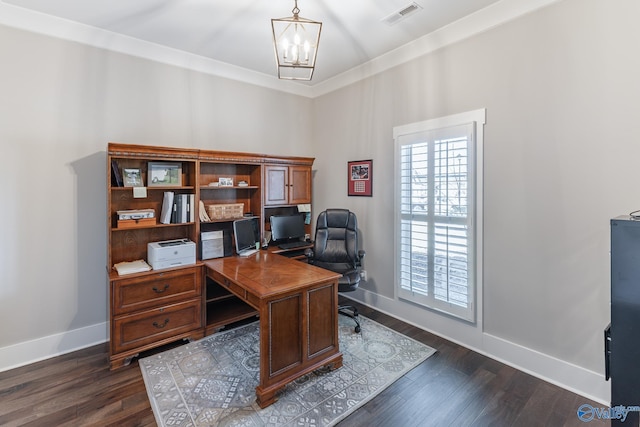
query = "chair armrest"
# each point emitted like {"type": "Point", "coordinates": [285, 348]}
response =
{"type": "Point", "coordinates": [309, 253]}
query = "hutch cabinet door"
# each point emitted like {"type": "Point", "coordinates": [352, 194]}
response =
{"type": "Point", "coordinates": [299, 184]}
{"type": "Point", "coordinates": [276, 185]}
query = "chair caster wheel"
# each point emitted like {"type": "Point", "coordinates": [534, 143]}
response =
{"type": "Point", "coordinates": [357, 329]}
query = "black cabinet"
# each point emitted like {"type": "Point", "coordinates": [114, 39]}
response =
{"type": "Point", "coordinates": [622, 337]}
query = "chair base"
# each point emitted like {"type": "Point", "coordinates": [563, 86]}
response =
{"type": "Point", "coordinates": [352, 312]}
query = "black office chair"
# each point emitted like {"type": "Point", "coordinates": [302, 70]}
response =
{"type": "Point", "coordinates": [336, 248]}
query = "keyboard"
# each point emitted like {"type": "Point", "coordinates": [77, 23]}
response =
{"type": "Point", "coordinates": [248, 253]}
{"type": "Point", "coordinates": [293, 245]}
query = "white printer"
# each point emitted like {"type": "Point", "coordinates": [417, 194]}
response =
{"type": "Point", "coordinates": [171, 253]}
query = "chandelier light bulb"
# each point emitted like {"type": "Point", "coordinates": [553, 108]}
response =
{"type": "Point", "coordinates": [307, 48]}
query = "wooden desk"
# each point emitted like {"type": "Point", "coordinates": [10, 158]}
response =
{"type": "Point", "coordinates": [297, 304]}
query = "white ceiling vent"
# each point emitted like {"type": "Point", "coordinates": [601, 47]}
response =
{"type": "Point", "coordinates": [399, 15]}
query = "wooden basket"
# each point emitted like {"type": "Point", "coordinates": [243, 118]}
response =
{"type": "Point", "coordinates": [226, 211]}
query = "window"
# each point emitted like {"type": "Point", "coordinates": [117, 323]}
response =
{"type": "Point", "coordinates": [438, 195]}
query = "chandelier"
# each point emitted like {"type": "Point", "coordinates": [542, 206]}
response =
{"type": "Point", "coordinates": [295, 41]}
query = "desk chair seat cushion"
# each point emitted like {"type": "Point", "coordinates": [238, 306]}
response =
{"type": "Point", "coordinates": [350, 276]}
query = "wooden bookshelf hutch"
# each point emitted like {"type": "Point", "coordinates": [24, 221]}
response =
{"type": "Point", "coordinates": [153, 308]}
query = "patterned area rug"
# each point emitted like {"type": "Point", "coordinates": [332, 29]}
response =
{"type": "Point", "coordinates": [211, 382]}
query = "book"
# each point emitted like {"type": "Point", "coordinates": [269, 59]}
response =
{"type": "Point", "coordinates": [180, 209]}
{"type": "Point", "coordinates": [174, 212]}
{"type": "Point", "coordinates": [130, 267]}
{"type": "Point", "coordinates": [177, 208]}
{"type": "Point", "coordinates": [184, 208]}
{"type": "Point", "coordinates": [192, 207]}
{"type": "Point", "coordinates": [188, 203]}
{"type": "Point", "coordinates": [115, 174]}
{"type": "Point", "coordinates": [167, 208]}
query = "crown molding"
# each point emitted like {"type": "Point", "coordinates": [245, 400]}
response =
{"type": "Point", "coordinates": [478, 22]}
{"type": "Point", "coordinates": [464, 28]}
{"type": "Point", "coordinates": [41, 23]}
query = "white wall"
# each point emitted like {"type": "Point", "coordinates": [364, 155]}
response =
{"type": "Point", "coordinates": [60, 104]}
{"type": "Point", "coordinates": [561, 90]}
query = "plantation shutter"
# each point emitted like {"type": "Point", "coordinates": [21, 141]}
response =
{"type": "Point", "coordinates": [435, 218]}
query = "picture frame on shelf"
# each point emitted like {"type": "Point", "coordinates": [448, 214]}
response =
{"type": "Point", "coordinates": [225, 182]}
{"type": "Point", "coordinates": [164, 174]}
{"type": "Point", "coordinates": [360, 177]}
{"type": "Point", "coordinates": [132, 177]}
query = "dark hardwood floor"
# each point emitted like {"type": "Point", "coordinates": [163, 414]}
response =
{"type": "Point", "coordinates": [454, 387]}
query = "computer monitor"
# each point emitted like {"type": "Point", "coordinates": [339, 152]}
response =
{"type": "Point", "coordinates": [246, 233]}
{"type": "Point", "coordinates": [287, 227]}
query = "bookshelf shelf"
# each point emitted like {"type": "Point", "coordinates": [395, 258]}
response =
{"type": "Point", "coordinates": [239, 187]}
{"type": "Point", "coordinates": [156, 188]}
{"type": "Point", "coordinates": [158, 225]}
{"type": "Point", "coordinates": [218, 221]}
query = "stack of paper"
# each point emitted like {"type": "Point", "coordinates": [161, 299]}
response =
{"type": "Point", "coordinates": [129, 267]}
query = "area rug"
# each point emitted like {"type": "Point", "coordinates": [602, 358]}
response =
{"type": "Point", "coordinates": [211, 382]}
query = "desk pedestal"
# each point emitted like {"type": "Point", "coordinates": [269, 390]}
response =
{"type": "Point", "coordinates": [297, 304]}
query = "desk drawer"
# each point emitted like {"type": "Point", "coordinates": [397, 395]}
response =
{"type": "Point", "coordinates": [245, 295]}
{"type": "Point", "coordinates": [155, 290]}
{"type": "Point", "coordinates": [146, 327]}
{"type": "Point", "coordinates": [242, 293]}
{"type": "Point", "coordinates": [230, 285]}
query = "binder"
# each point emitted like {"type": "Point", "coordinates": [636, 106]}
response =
{"type": "Point", "coordinates": [167, 208]}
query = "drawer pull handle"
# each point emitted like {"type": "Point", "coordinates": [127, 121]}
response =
{"type": "Point", "coordinates": [160, 326]}
{"type": "Point", "coordinates": [159, 291]}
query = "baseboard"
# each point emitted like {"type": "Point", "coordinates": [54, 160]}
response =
{"type": "Point", "coordinates": [576, 379]}
{"type": "Point", "coordinates": [27, 352]}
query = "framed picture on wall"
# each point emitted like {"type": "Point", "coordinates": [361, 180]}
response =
{"type": "Point", "coordinates": [360, 177]}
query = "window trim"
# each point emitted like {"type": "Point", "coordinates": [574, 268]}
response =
{"type": "Point", "coordinates": [400, 133]}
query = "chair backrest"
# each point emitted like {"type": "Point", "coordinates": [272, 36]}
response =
{"type": "Point", "coordinates": [336, 240]}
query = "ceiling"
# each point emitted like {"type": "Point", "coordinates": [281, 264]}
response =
{"type": "Point", "coordinates": [238, 32]}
